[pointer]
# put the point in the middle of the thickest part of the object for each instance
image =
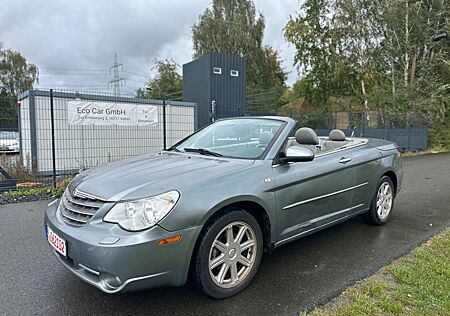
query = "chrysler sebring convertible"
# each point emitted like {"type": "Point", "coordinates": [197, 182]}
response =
{"type": "Point", "coordinates": [212, 204]}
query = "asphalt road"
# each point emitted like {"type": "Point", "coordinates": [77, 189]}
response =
{"type": "Point", "coordinates": [297, 276]}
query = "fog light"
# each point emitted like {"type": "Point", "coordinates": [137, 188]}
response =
{"type": "Point", "coordinates": [109, 281]}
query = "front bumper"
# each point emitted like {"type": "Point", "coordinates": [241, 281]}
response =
{"type": "Point", "coordinates": [115, 260]}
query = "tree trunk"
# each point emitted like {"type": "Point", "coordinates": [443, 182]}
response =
{"type": "Point", "coordinates": [366, 105]}
{"type": "Point", "coordinates": [406, 72]}
{"type": "Point", "coordinates": [393, 80]}
{"type": "Point", "coordinates": [413, 68]}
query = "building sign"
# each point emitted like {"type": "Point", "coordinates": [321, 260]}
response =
{"type": "Point", "coordinates": [104, 113]}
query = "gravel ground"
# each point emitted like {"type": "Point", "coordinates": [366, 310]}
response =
{"type": "Point", "coordinates": [5, 198]}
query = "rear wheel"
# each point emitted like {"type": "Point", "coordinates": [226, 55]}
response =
{"type": "Point", "coordinates": [382, 203]}
{"type": "Point", "coordinates": [229, 253]}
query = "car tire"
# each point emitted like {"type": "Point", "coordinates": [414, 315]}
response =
{"type": "Point", "coordinates": [382, 203]}
{"type": "Point", "coordinates": [221, 268]}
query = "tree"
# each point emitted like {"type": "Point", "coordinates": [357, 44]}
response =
{"type": "Point", "coordinates": [234, 27]}
{"type": "Point", "coordinates": [381, 54]}
{"type": "Point", "coordinates": [167, 82]}
{"type": "Point", "coordinates": [315, 37]}
{"type": "Point", "coordinates": [16, 74]}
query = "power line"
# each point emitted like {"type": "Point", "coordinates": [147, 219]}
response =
{"type": "Point", "coordinates": [66, 74]}
{"type": "Point", "coordinates": [73, 69]}
{"type": "Point", "coordinates": [70, 86]}
{"type": "Point", "coordinates": [91, 70]}
{"type": "Point", "coordinates": [138, 75]}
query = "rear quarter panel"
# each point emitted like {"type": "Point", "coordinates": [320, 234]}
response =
{"type": "Point", "coordinates": [371, 161]}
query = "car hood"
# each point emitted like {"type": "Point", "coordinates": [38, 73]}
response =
{"type": "Point", "coordinates": [150, 175]}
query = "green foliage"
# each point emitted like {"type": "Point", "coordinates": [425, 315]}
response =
{"type": "Point", "coordinates": [231, 27]}
{"type": "Point", "coordinates": [234, 27]}
{"type": "Point", "coordinates": [8, 111]}
{"type": "Point", "coordinates": [418, 284]}
{"type": "Point", "coordinates": [16, 74]}
{"type": "Point", "coordinates": [28, 192]}
{"type": "Point", "coordinates": [380, 54]}
{"type": "Point", "coordinates": [316, 118]}
{"type": "Point", "coordinates": [311, 36]}
{"type": "Point", "coordinates": [61, 186]}
{"type": "Point", "coordinates": [265, 100]}
{"type": "Point", "coordinates": [167, 82]}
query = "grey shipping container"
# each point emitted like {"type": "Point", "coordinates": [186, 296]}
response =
{"type": "Point", "coordinates": [216, 82]}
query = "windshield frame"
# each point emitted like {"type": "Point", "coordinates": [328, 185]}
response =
{"type": "Point", "coordinates": [260, 157]}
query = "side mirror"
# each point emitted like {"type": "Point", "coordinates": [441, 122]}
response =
{"type": "Point", "coordinates": [298, 154]}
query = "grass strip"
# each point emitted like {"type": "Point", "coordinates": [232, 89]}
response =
{"type": "Point", "coordinates": [417, 284]}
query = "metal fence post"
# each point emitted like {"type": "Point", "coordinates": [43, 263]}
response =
{"type": "Point", "coordinates": [164, 124]}
{"type": "Point", "coordinates": [52, 118]}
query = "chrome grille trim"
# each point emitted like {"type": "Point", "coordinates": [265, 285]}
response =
{"type": "Point", "coordinates": [80, 218]}
{"type": "Point", "coordinates": [77, 208]}
{"type": "Point", "coordinates": [83, 202]}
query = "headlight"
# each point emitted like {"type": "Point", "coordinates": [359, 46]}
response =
{"type": "Point", "coordinates": [142, 214]}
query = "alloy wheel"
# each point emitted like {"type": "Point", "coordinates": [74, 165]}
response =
{"type": "Point", "coordinates": [384, 200]}
{"type": "Point", "coordinates": [232, 254]}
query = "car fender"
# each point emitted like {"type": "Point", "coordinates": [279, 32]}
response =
{"type": "Point", "coordinates": [236, 200]}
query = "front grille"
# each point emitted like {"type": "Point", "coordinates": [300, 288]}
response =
{"type": "Point", "coordinates": [77, 208]}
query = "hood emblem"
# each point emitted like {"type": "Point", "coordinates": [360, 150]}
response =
{"type": "Point", "coordinates": [84, 195]}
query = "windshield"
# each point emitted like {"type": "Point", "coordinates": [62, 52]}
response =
{"type": "Point", "coordinates": [8, 135]}
{"type": "Point", "coordinates": [237, 138]}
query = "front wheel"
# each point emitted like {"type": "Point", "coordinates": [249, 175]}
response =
{"type": "Point", "coordinates": [382, 203]}
{"type": "Point", "coordinates": [229, 253]}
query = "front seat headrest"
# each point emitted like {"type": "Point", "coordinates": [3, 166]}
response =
{"type": "Point", "coordinates": [306, 136]}
{"type": "Point", "coordinates": [265, 137]}
{"type": "Point", "coordinates": [337, 135]}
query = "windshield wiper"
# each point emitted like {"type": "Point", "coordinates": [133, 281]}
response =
{"type": "Point", "coordinates": [203, 152]}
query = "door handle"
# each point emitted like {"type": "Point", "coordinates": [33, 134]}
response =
{"type": "Point", "coordinates": [345, 159]}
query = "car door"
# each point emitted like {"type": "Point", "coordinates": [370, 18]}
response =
{"type": "Point", "coordinates": [368, 168]}
{"type": "Point", "coordinates": [312, 194]}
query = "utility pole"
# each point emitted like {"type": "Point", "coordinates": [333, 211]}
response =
{"type": "Point", "coordinates": [117, 80]}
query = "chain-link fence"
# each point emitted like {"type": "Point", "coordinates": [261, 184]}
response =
{"type": "Point", "coordinates": [57, 132]}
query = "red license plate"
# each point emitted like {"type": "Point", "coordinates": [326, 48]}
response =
{"type": "Point", "coordinates": [56, 242]}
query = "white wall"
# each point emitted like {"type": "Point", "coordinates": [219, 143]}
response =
{"type": "Point", "coordinates": [25, 132]}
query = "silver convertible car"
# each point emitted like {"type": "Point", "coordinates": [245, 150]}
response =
{"type": "Point", "coordinates": [212, 204]}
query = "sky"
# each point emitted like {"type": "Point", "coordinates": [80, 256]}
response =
{"type": "Point", "coordinates": [73, 42]}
